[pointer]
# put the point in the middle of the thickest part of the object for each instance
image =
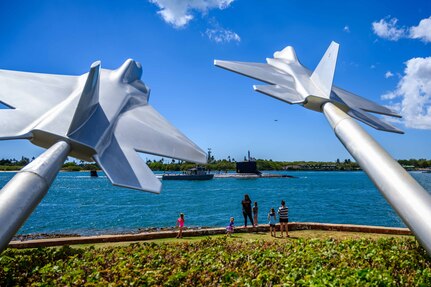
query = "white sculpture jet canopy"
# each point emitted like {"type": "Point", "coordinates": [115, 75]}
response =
{"type": "Point", "coordinates": [293, 83]}
{"type": "Point", "coordinates": [104, 115]}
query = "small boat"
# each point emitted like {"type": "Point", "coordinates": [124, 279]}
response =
{"type": "Point", "coordinates": [196, 173]}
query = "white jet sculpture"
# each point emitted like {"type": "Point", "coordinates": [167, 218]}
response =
{"type": "Point", "coordinates": [102, 115]}
{"type": "Point", "coordinates": [293, 83]}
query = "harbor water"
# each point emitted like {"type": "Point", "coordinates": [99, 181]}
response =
{"type": "Point", "coordinates": [79, 204]}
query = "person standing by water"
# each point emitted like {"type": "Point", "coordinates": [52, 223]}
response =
{"type": "Point", "coordinates": [272, 217]}
{"type": "Point", "coordinates": [283, 213]}
{"type": "Point", "coordinates": [246, 209]}
{"type": "Point", "coordinates": [255, 211]}
{"type": "Point", "coordinates": [180, 225]}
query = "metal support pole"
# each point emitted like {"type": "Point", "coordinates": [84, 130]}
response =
{"type": "Point", "coordinates": [20, 196]}
{"type": "Point", "coordinates": [409, 199]}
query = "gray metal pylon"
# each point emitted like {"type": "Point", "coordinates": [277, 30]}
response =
{"type": "Point", "coordinates": [20, 196]}
{"type": "Point", "coordinates": [408, 198]}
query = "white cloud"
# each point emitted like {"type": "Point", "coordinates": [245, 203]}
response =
{"type": "Point", "coordinates": [388, 29]}
{"type": "Point", "coordinates": [422, 31]}
{"type": "Point", "coordinates": [388, 74]}
{"type": "Point", "coordinates": [389, 96]}
{"type": "Point", "coordinates": [221, 35]}
{"type": "Point", "coordinates": [346, 29]}
{"type": "Point", "coordinates": [180, 12]}
{"type": "Point", "coordinates": [412, 97]}
{"type": "Point", "coordinates": [372, 66]}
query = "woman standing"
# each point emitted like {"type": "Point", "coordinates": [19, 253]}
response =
{"type": "Point", "coordinates": [283, 213]}
{"type": "Point", "coordinates": [246, 209]}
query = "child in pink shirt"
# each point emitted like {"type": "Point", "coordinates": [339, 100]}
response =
{"type": "Point", "coordinates": [180, 225]}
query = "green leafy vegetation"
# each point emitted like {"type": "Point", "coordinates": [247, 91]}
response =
{"type": "Point", "coordinates": [10, 167]}
{"type": "Point", "coordinates": [13, 164]}
{"type": "Point", "coordinates": [73, 166]}
{"type": "Point", "coordinates": [416, 163]}
{"type": "Point", "coordinates": [224, 262]}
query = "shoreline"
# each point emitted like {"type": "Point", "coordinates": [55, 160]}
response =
{"type": "Point", "coordinates": [171, 232]}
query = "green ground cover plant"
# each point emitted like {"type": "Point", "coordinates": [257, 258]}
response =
{"type": "Point", "coordinates": [224, 262]}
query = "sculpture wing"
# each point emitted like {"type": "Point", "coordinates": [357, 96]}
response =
{"type": "Point", "coordinates": [29, 96]}
{"type": "Point", "coordinates": [156, 135]}
{"type": "Point", "coordinates": [372, 121]}
{"type": "Point", "coordinates": [143, 129]}
{"type": "Point", "coordinates": [359, 108]}
{"type": "Point", "coordinates": [357, 102]}
{"type": "Point", "coordinates": [259, 71]}
{"type": "Point", "coordinates": [286, 94]}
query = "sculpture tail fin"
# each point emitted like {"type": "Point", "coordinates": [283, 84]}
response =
{"type": "Point", "coordinates": [124, 167]}
{"type": "Point", "coordinates": [323, 75]}
{"type": "Point", "coordinates": [88, 101]}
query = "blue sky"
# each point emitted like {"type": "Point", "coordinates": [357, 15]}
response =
{"type": "Point", "coordinates": [384, 56]}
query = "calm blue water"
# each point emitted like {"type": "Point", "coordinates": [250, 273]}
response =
{"type": "Point", "coordinates": [77, 203]}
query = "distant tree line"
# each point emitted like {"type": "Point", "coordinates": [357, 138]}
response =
{"type": "Point", "coordinates": [73, 166]}
{"type": "Point", "coordinates": [307, 165]}
{"type": "Point", "coordinates": [228, 164]}
{"type": "Point", "coordinates": [178, 165]}
{"type": "Point", "coordinates": [417, 163]}
{"type": "Point", "coordinates": [262, 164]}
{"type": "Point", "coordinates": [13, 164]}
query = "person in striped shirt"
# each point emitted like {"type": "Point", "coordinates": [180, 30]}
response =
{"type": "Point", "coordinates": [283, 214]}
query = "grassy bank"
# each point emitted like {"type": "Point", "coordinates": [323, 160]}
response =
{"type": "Point", "coordinates": [293, 235]}
{"type": "Point", "coordinates": [217, 261]}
